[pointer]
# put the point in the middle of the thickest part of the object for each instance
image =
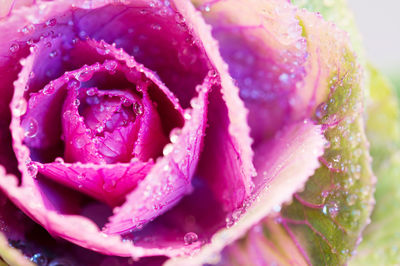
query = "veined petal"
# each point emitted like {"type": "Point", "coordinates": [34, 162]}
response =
{"type": "Point", "coordinates": [170, 178]}
{"type": "Point", "coordinates": [262, 43]}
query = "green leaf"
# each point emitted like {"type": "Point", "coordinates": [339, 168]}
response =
{"type": "Point", "coordinates": [11, 256]}
{"type": "Point", "coordinates": [323, 224]}
{"type": "Point", "coordinates": [382, 237]}
{"type": "Point", "coordinates": [329, 215]}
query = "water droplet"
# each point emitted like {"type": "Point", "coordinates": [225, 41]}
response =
{"type": "Point", "coordinates": [206, 7]}
{"type": "Point", "coordinates": [99, 129]}
{"type": "Point", "coordinates": [79, 142]}
{"type": "Point", "coordinates": [187, 114]}
{"type": "Point", "coordinates": [351, 199]}
{"type": "Point", "coordinates": [138, 108]}
{"type": "Point", "coordinates": [321, 110]}
{"type": "Point", "coordinates": [73, 84]}
{"type": "Point", "coordinates": [81, 176]}
{"type": "Point", "coordinates": [190, 238]}
{"type": "Point", "coordinates": [19, 107]}
{"type": "Point", "coordinates": [195, 103]}
{"type": "Point", "coordinates": [110, 65]}
{"type": "Point", "coordinates": [276, 208]}
{"type": "Point", "coordinates": [284, 77]}
{"type": "Point", "coordinates": [51, 22]}
{"type": "Point", "coordinates": [84, 76]}
{"type": "Point", "coordinates": [168, 149]}
{"type": "Point", "coordinates": [28, 29]}
{"type": "Point", "coordinates": [156, 27]}
{"type": "Point", "coordinates": [14, 47]}
{"type": "Point", "coordinates": [53, 54]}
{"type": "Point", "coordinates": [48, 89]}
{"type": "Point", "coordinates": [32, 169]}
{"type": "Point", "coordinates": [174, 135]}
{"type": "Point", "coordinates": [59, 160]}
{"type": "Point", "coordinates": [39, 259]}
{"type": "Point", "coordinates": [91, 92]}
{"type": "Point", "coordinates": [32, 128]}
{"type": "Point", "coordinates": [331, 209]}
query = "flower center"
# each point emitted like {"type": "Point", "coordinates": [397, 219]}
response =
{"type": "Point", "coordinates": [107, 113]}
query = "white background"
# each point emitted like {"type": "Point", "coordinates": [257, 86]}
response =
{"type": "Point", "coordinates": [379, 23]}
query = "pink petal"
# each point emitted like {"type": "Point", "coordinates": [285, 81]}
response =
{"type": "Point", "coordinates": [262, 43]}
{"type": "Point", "coordinates": [52, 209]}
{"type": "Point", "coordinates": [170, 178]}
{"type": "Point", "coordinates": [107, 183]}
{"type": "Point", "coordinates": [48, 209]}
{"type": "Point", "coordinates": [229, 176]}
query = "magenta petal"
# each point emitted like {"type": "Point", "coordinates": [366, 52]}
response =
{"type": "Point", "coordinates": [74, 228]}
{"type": "Point", "coordinates": [262, 43]}
{"type": "Point", "coordinates": [283, 165]}
{"type": "Point", "coordinates": [108, 183]}
{"type": "Point", "coordinates": [49, 208]}
{"type": "Point", "coordinates": [170, 178]}
{"type": "Point", "coordinates": [150, 136]}
{"type": "Point", "coordinates": [227, 163]}
{"type": "Point", "coordinates": [78, 143]}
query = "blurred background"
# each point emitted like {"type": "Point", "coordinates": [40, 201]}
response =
{"type": "Point", "coordinates": [379, 23]}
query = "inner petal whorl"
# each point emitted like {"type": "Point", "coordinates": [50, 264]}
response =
{"type": "Point", "coordinates": [111, 122]}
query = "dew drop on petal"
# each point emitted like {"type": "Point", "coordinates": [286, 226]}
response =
{"type": "Point", "coordinates": [156, 27]}
{"type": "Point", "coordinates": [190, 238]}
{"type": "Point", "coordinates": [51, 22]}
{"type": "Point", "coordinates": [28, 29]}
{"type": "Point", "coordinates": [19, 108]}
{"type": "Point", "coordinates": [321, 110]}
{"type": "Point", "coordinates": [39, 259]}
{"type": "Point", "coordinates": [32, 128]}
{"type": "Point", "coordinates": [138, 108]}
{"type": "Point", "coordinates": [174, 135]}
{"type": "Point", "coordinates": [59, 160]}
{"type": "Point", "coordinates": [331, 209]}
{"type": "Point", "coordinates": [167, 149]}
{"type": "Point", "coordinates": [81, 176]}
{"type": "Point", "coordinates": [110, 65]}
{"type": "Point", "coordinates": [73, 84]}
{"type": "Point", "coordinates": [32, 169]}
{"type": "Point", "coordinates": [187, 114]}
{"type": "Point", "coordinates": [79, 142]}
{"type": "Point", "coordinates": [48, 89]}
{"type": "Point", "coordinates": [53, 54]}
{"type": "Point", "coordinates": [14, 47]}
{"type": "Point", "coordinates": [351, 199]}
{"type": "Point", "coordinates": [84, 76]}
{"type": "Point", "coordinates": [91, 92]}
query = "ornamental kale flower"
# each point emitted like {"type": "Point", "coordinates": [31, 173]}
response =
{"type": "Point", "coordinates": [162, 131]}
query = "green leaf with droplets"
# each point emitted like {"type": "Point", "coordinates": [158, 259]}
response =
{"type": "Point", "coordinates": [329, 215]}
{"type": "Point", "coordinates": [323, 224]}
{"type": "Point", "coordinates": [337, 201]}
{"type": "Point", "coordinates": [327, 218]}
{"type": "Point", "coordinates": [11, 256]}
{"type": "Point", "coordinates": [382, 237]}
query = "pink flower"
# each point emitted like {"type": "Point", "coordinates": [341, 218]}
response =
{"type": "Point", "coordinates": [149, 129]}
